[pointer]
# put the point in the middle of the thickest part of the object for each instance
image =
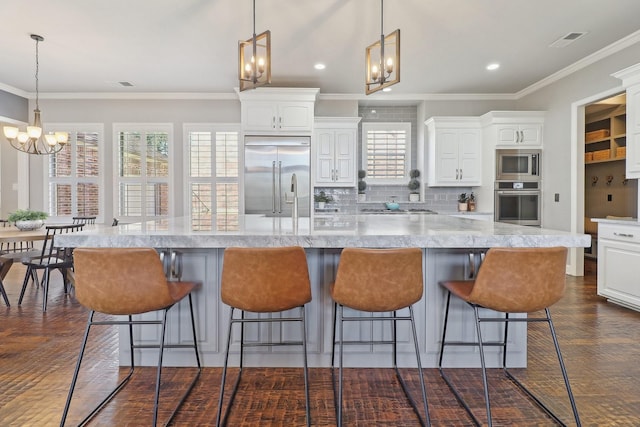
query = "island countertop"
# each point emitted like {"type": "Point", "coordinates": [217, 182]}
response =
{"type": "Point", "coordinates": [331, 231]}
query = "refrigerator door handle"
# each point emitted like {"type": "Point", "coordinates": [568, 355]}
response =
{"type": "Point", "coordinates": [279, 187]}
{"type": "Point", "coordinates": [273, 187]}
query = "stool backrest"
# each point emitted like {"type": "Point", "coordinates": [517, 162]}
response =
{"type": "Point", "coordinates": [120, 280]}
{"type": "Point", "coordinates": [265, 279]}
{"type": "Point", "coordinates": [379, 279]}
{"type": "Point", "coordinates": [520, 280]}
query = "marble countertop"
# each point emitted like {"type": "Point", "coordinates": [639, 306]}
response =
{"type": "Point", "coordinates": [617, 220]}
{"type": "Point", "coordinates": [328, 231]}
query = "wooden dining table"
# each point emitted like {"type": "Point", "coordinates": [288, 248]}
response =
{"type": "Point", "coordinates": [12, 238]}
{"type": "Point", "coordinates": [12, 235]}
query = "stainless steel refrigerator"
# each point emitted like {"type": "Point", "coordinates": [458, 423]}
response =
{"type": "Point", "coordinates": [269, 165]}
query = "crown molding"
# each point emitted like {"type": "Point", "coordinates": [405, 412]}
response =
{"type": "Point", "coordinates": [603, 53]}
{"type": "Point", "coordinates": [14, 90]}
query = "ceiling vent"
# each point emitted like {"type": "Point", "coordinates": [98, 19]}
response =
{"type": "Point", "coordinates": [567, 40]}
{"type": "Point", "coordinates": [126, 84]}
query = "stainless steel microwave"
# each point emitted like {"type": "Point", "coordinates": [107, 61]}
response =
{"type": "Point", "coordinates": [518, 165]}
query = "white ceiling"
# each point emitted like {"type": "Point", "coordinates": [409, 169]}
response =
{"type": "Point", "coordinates": [191, 45]}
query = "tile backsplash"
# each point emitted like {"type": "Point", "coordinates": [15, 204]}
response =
{"type": "Point", "coordinates": [439, 199]}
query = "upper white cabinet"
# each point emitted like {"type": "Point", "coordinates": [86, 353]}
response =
{"type": "Point", "coordinates": [334, 151]}
{"type": "Point", "coordinates": [278, 110]}
{"type": "Point", "coordinates": [631, 81]}
{"type": "Point", "coordinates": [454, 152]}
{"type": "Point", "coordinates": [515, 129]}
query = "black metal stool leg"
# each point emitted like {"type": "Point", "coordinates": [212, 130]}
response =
{"type": "Point", "coordinates": [306, 369]}
{"type": "Point", "coordinates": [220, 419]}
{"type": "Point", "coordinates": [484, 367]}
{"type": "Point", "coordinates": [163, 328]}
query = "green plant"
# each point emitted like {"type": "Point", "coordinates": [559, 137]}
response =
{"type": "Point", "coordinates": [414, 184]}
{"type": "Point", "coordinates": [362, 185]}
{"type": "Point", "coordinates": [472, 198]}
{"type": "Point", "coordinates": [462, 198]}
{"type": "Point", "coordinates": [322, 197]}
{"type": "Point", "coordinates": [27, 215]}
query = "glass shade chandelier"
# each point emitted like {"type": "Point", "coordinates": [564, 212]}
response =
{"type": "Point", "coordinates": [383, 59]}
{"type": "Point", "coordinates": [34, 140]}
{"type": "Point", "coordinates": [254, 63]}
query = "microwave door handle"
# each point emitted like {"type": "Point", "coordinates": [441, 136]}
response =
{"type": "Point", "coordinates": [534, 165]}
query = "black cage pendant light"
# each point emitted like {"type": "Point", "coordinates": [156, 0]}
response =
{"type": "Point", "coordinates": [34, 140]}
{"type": "Point", "coordinates": [383, 59]}
{"type": "Point", "coordinates": [254, 60]}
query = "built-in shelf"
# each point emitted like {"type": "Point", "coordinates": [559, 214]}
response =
{"type": "Point", "coordinates": [611, 124]}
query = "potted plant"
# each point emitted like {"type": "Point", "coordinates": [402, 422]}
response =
{"type": "Point", "coordinates": [322, 198]}
{"type": "Point", "coordinates": [362, 185]}
{"type": "Point", "coordinates": [26, 219]}
{"type": "Point", "coordinates": [414, 185]}
{"type": "Point", "coordinates": [471, 202]}
{"type": "Point", "coordinates": [462, 202]}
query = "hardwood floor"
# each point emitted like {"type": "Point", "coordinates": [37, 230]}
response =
{"type": "Point", "coordinates": [600, 342]}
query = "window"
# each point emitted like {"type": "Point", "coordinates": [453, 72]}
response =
{"type": "Point", "coordinates": [212, 181]}
{"type": "Point", "coordinates": [143, 171]}
{"type": "Point", "coordinates": [386, 152]}
{"type": "Point", "coordinates": [74, 178]}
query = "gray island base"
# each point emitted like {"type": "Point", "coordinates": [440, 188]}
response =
{"type": "Point", "coordinates": [447, 243]}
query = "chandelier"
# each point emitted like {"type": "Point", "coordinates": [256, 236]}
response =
{"type": "Point", "coordinates": [254, 63]}
{"type": "Point", "coordinates": [34, 140]}
{"type": "Point", "coordinates": [383, 59]}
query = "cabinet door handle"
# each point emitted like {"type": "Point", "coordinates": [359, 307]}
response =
{"type": "Point", "coordinates": [623, 234]}
{"type": "Point", "coordinates": [460, 174]}
{"type": "Point", "coordinates": [279, 122]}
{"type": "Point", "coordinates": [273, 122]}
{"type": "Point", "coordinates": [457, 174]}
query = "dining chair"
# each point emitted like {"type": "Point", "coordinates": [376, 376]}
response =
{"type": "Point", "coordinates": [84, 219]}
{"type": "Point", "coordinates": [51, 258]}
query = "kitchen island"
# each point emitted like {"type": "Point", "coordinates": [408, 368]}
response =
{"type": "Point", "coordinates": [451, 248]}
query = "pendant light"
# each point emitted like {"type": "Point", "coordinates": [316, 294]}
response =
{"type": "Point", "coordinates": [33, 140]}
{"type": "Point", "coordinates": [254, 60]}
{"type": "Point", "coordinates": [383, 59]}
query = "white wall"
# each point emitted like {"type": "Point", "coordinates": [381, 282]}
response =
{"type": "Point", "coordinates": [557, 100]}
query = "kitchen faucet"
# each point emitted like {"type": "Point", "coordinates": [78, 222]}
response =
{"type": "Point", "coordinates": [294, 190]}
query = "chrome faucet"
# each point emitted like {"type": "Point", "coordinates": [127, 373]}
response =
{"type": "Point", "coordinates": [294, 190]}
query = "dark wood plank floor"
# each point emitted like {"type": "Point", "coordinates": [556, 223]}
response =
{"type": "Point", "coordinates": [600, 341]}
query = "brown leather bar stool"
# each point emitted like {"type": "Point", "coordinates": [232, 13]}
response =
{"type": "Point", "coordinates": [128, 281]}
{"type": "Point", "coordinates": [378, 281]}
{"type": "Point", "coordinates": [264, 280]}
{"type": "Point", "coordinates": [510, 280]}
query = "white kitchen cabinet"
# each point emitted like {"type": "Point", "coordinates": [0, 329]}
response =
{"type": "Point", "coordinates": [633, 132]}
{"type": "Point", "coordinates": [515, 129]}
{"type": "Point", "coordinates": [454, 152]}
{"type": "Point", "coordinates": [278, 111]}
{"type": "Point", "coordinates": [334, 151]}
{"type": "Point", "coordinates": [618, 261]}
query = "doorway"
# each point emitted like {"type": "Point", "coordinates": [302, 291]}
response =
{"type": "Point", "coordinates": [607, 192]}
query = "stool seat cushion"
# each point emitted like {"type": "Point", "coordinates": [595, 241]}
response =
{"type": "Point", "coordinates": [516, 280]}
{"type": "Point", "coordinates": [263, 280]}
{"type": "Point", "coordinates": [377, 280]}
{"type": "Point", "coordinates": [124, 281]}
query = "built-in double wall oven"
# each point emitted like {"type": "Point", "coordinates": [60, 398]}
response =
{"type": "Point", "coordinates": [518, 198]}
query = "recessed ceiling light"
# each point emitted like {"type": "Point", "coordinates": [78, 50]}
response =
{"type": "Point", "coordinates": [386, 89]}
{"type": "Point", "coordinates": [493, 66]}
{"type": "Point", "coordinates": [319, 66]}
